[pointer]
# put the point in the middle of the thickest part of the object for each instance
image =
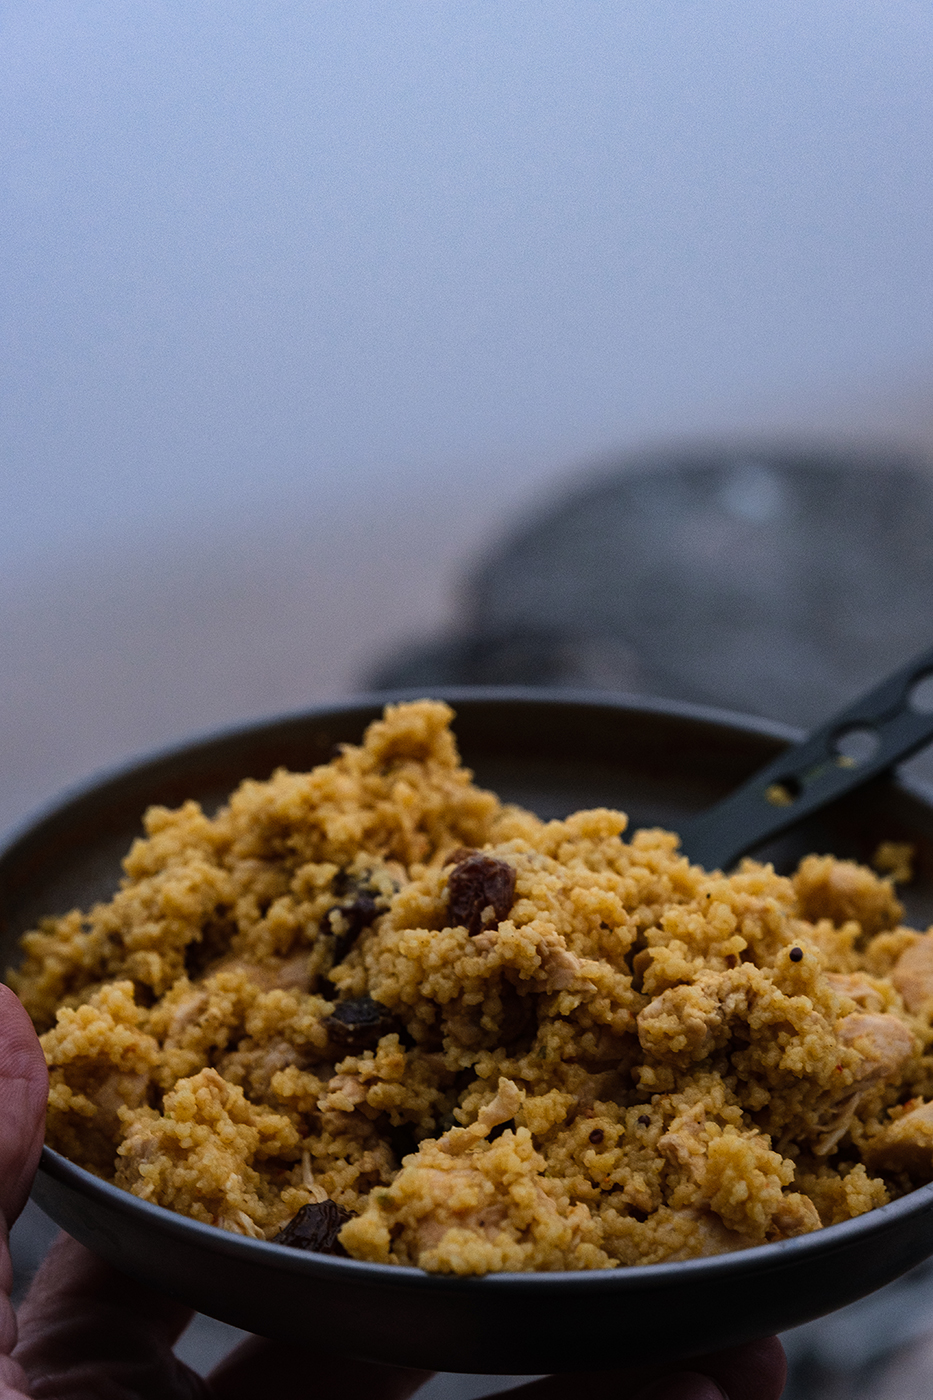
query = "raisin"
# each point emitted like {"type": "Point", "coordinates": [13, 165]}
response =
{"type": "Point", "coordinates": [476, 884]}
{"type": "Point", "coordinates": [315, 1228]}
{"type": "Point", "coordinates": [795, 954]}
{"type": "Point", "coordinates": [361, 912]}
{"type": "Point", "coordinates": [597, 1135]}
{"type": "Point", "coordinates": [644, 1120]}
{"type": "Point", "coordinates": [359, 1024]}
{"type": "Point", "coordinates": [461, 854]}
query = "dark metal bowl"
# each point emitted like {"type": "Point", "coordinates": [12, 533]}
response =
{"type": "Point", "coordinates": [553, 753]}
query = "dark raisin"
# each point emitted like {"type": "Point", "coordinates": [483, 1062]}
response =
{"type": "Point", "coordinates": [476, 884]}
{"type": "Point", "coordinates": [795, 954]}
{"type": "Point", "coordinates": [315, 1228]}
{"type": "Point", "coordinates": [462, 853]}
{"type": "Point", "coordinates": [359, 1024]}
{"type": "Point", "coordinates": [360, 913]}
{"type": "Point", "coordinates": [644, 1120]}
{"type": "Point", "coordinates": [597, 1135]}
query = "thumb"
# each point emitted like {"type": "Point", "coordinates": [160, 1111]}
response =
{"type": "Point", "coordinates": [24, 1087]}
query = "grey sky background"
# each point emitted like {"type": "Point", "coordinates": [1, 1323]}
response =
{"type": "Point", "coordinates": [305, 301]}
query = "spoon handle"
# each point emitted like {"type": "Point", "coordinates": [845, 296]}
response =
{"type": "Point", "coordinates": [888, 724]}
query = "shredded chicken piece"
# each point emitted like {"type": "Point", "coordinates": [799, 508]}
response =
{"type": "Point", "coordinates": [294, 973]}
{"type": "Point", "coordinates": [118, 1091]}
{"type": "Point", "coordinates": [344, 1092]}
{"type": "Point", "coordinates": [884, 1043]}
{"type": "Point", "coordinates": [248, 1226]}
{"type": "Point", "coordinates": [837, 1127]}
{"type": "Point", "coordinates": [508, 1100]}
{"type": "Point", "coordinates": [681, 1024]}
{"type": "Point", "coordinates": [841, 890]}
{"type": "Point", "coordinates": [463, 1183]}
{"type": "Point", "coordinates": [904, 1145]}
{"type": "Point", "coordinates": [684, 1143]}
{"type": "Point", "coordinates": [712, 1235]}
{"type": "Point", "coordinates": [796, 1215]}
{"type": "Point", "coordinates": [317, 1193]}
{"type": "Point", "coordinates": [560, 966]}
{"type": "Point", "coordinates": [913, 973]}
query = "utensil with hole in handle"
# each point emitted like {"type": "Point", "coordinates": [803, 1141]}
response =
{"type": "Point", "coordinates": [882, 728]}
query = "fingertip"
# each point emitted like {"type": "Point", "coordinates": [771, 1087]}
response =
{"type": "Point", "coordinates": [21, 1054]}
{"type": "Point", "coordinates": [24, 1086]}
{"type": "Point", "coordinates": [755, 1371]}
{"type": "Point", "coordinates": [261, 1367]}
{"type": "Point", "coordinates": [685, 1385]}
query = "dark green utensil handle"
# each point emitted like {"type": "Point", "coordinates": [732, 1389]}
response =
{"type": "Point", "coordinates": [885, 726]}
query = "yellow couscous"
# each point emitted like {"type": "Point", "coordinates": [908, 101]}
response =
{"type": "Point", "coordinates": [375, 1009]}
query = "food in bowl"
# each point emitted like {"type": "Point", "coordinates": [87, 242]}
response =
{"type": "Point", "coordinates": [372, 1009]}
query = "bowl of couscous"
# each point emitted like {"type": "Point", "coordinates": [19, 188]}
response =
{"type": "Point", "coordinates": [408, 1030]}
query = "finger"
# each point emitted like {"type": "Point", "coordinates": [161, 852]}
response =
{"type": "Point", "coordinates": [12, 1380]}
{"type": "Point", "coordinates": [756, 1371]}
{"type": "Point", "coordinates": [259, 1367]}
{"type": "Point", "coordinates": [685, 1385]}
{"type": "Point", "coordinates": [85, 1330]}
{"type": "Point", "coordinates": [24, 1082]}
{"type": "Point", "coordinates": [24, 1088]}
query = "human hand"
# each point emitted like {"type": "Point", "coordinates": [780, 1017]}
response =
{"type": "Point", "coordinates": [86, 1332]}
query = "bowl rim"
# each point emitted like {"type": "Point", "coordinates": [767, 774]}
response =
{"type": "Point", "coordinates": [625, 701]}
{"type": "Point", "coordinates": [753, 1259]}
{"type": "Point", "coordinates": [763, 1258]}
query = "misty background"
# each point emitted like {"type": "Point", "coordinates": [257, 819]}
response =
{"type": "Point", "coordinates": [307, 305]}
